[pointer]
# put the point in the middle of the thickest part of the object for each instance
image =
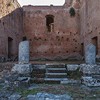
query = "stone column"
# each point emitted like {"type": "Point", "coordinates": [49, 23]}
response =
{"type": "Point", "coordinates": [23, 66]}
{"type": "Point", "coordinates": [24, 52]}
{"type": "Point", "coordinates": [90, 54]}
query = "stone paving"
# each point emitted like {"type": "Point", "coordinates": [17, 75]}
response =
{"type": "Point", "coordinates": [14, 91]}
{"type": "Point", "coordinates": [46, 96]}
{"type": "Point", "coordinates": [41, 96]}
{"type": "Point", "coordinates": [16, 87]}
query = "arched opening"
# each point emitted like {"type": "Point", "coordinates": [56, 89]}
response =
{"type": "Point", "coordinates": [50, 23]}
{"type": "Point", "coordinates": [10, 47]}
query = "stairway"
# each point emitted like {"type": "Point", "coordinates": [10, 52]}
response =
{"type": "Point", "coordinates": [55, 73]}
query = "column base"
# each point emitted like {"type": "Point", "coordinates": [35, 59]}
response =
{"type": "Point", "coordinates": [22, 68]}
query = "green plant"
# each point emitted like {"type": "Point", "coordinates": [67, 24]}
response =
{"type": "Point", "coordinates": [77, 74]}
{"type": "Point", "coordinates": [25, 92]}
{"type": "Point", "coordinates": [72, 12]}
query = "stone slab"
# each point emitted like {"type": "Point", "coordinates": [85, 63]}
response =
{"type": "Point", "coordinates": [72, 67]}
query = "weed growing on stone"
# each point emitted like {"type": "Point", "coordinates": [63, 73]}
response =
{"type": "Point", "coordinates": [25, 92]}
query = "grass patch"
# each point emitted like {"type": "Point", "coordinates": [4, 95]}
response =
{"type": "Point", "coordinates": [25, 92]}
{"type": "Point", "coordinates": [78, 92]}
{"type": "Point", "coordinates": [77, 74]}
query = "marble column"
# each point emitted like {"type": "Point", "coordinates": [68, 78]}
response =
{"type": "Point", "coordinates": [90, 54]}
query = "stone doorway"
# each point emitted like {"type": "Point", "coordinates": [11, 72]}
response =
{"type": "Point", "coordinates": [10, 47]}
{"type": "Point", "coordinates": [95, 42]}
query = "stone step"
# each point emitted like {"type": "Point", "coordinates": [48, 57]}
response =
{"type": "Point", "coordinates": [56, 75]}
{"type": "Point", "coordinates": [55, 65]}
{"type": "Point", "coordinates": [56, 70]}
{"type": "Point", "coordinates": [54, 80]}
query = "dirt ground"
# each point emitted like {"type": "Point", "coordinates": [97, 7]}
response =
{"type": "Point", "coordinates": [77, 92]}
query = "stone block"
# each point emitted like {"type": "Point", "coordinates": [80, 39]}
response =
{"type": "Point", "coordinates": [14, 97]}
{"type": "Point", "coordinates": [89, 81]}
{"type": "Point", "coordinates": [31, 97]}
{"type": "Point", "coordinates": [72, 67]}
{"type": "Point", "coordinates": [90, 69]}
{"type": "Point", "coordinates": [22, 68]}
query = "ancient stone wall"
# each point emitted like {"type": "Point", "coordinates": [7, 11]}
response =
{"type": "Point", "coordinates": [51, 31]}
{"type": "Point", "coordinates": [10, 27]}
{"type": "Point", "coordinates": [62, 42]}
{"type": "Point", "coordinates": [90, 23]}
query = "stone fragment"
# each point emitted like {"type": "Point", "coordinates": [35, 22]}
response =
{"type": "Point", "coordinates": [89, 81]}
{"type": "Point", "coordinates": [47, 96]}
{"type": "Point", "coordinates": [31, 97]}
{"type": "Point", "coordinates": [14, 97]}
{"type": "Point", "coordinates": [70, 81]}
{"type": "Point", "coordinates": [24, 81]}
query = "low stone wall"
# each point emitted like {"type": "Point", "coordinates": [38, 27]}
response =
{"type": "Point", "coordinates": [6, 66]}
{"type": "Point", "coordinates": [85, 68]}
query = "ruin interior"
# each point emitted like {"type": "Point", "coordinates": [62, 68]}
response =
{"type": "Point", "coordinates": [50, 44]}
{"type": "Point", "coordinates": [54, 32]}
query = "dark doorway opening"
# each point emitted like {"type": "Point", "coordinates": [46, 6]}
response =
{"type": "Point", "coordinates": [50, 23]}
{"type": "Point", "coordinates": [95, 42]}
{"type": "Point", "coordinates": [24, 38]}
{"type": "Point", "coordinates": [10, 47]}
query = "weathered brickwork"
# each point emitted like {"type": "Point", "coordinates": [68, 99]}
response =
{"type": "Point", "coordinates": [52, 32]}
{"type": "Point", "coordinates": [90, 23]}
{"type": "Point", "coordinates": [10, 27]}
{"type": "Point", "coordinates": [62, 42]}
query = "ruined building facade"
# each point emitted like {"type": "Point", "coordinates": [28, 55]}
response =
{"type": "Point", "coordinates": [90, 23]}
{"type": "Point", "coordinates": [10, 28]}
{"type": "Point", "coordinates": [54, 32]}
